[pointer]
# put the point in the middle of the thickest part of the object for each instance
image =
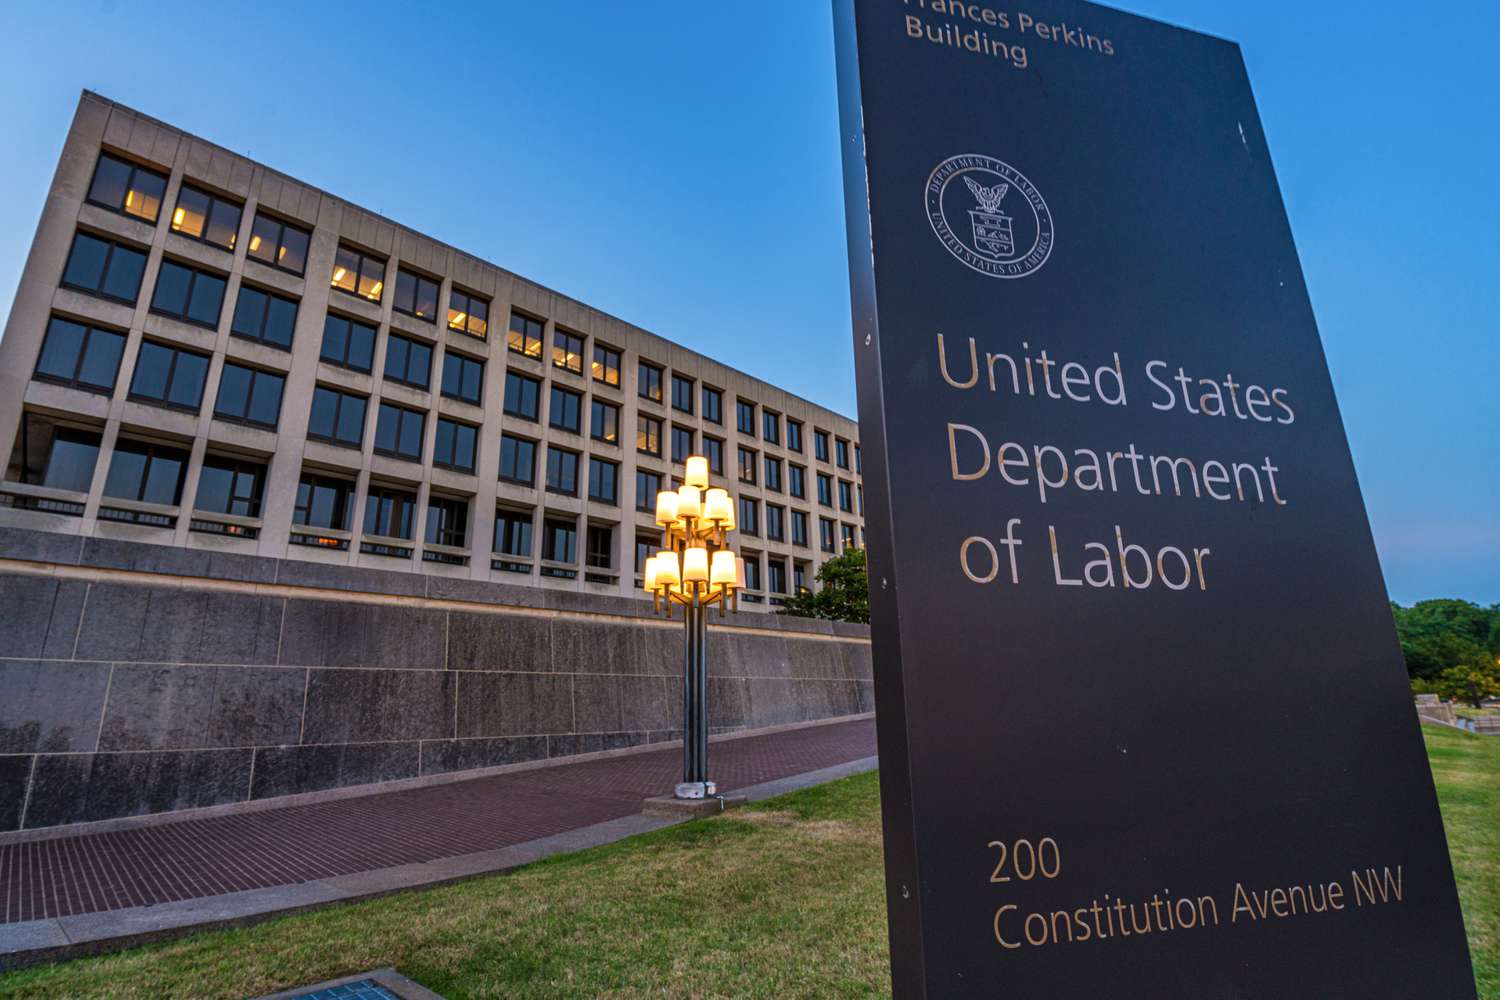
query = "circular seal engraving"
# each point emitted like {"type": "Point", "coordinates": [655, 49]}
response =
{"type": "Point", "coordinates": [989, 215]}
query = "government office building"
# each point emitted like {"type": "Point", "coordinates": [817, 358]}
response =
{"type": "Point", "coordinates": [205, 353]}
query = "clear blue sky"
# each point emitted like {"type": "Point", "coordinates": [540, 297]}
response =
{"type": "Point", "coordinates": [677, 164]}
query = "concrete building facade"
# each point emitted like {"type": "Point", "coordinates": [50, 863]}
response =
{"type": "Point", "coordinates": [207, 354]}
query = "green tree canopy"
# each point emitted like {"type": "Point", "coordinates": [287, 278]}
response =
{"type": "Point", "coordinates": [1439, 634]}
{"type": "Point", "coordinates": [843, 593]}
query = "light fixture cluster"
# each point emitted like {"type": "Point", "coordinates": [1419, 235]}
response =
{"type": "Point", "coordinates": [696, 567]}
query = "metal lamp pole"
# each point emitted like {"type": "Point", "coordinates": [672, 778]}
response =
{"type": "Point", "coordinates": [695, 569]}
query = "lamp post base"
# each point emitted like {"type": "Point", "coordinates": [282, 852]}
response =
{"type": "Point", "coordinates": [695, 789]}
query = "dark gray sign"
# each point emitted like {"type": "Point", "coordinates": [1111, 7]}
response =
{"type": "Point", "coordinates": [1144, 725]}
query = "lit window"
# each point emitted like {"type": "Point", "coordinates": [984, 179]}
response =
{"type": "Point", "coordinates": [169, 376]}
{"type": "Point", "coordinates": [567, 351]}
{"type": "Point", "coordinates": [84, 357]}
{"type": "Point", "coordinates": [104, 268]}
{"type": "Point", "coordinates": [206, 217]}
{"type": "Point", "coordinates": [358, 273]}
{"type": "Point", "coordinates": [649, 378]}
{"type": "Point", "coordinates": [606, 366]}
{"type": "Point", "coordinates": [124, 187]}
{"type": "Point", "coordinates": [278, 243]}
{"type": "Point", "coordinates": [525, 335]}
{"type": "Point", "coordinates": [648, 435]}
{"type": "Point", "coordinates": [604, 423]}
{"type": "Point", "coordinates": [468, 314]}
{"type": "Point", "coordinates": [416, 295]}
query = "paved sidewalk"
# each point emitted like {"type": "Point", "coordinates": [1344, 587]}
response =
{"type": "Point", "coordinates": [219, 857]}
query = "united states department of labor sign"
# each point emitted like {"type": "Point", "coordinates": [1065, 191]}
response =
{"type": "Point", "coordinates": [1145, 730]}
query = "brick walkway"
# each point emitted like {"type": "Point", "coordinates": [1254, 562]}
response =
{"type": "Point", "coordinates": [208, 857]}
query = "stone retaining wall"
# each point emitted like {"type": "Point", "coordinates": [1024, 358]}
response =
{"type": "Point", "coordinates": [142, 679]}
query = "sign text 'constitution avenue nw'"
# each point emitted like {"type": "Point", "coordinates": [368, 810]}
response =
{"type": "Point", "coordinates": [1144, 726]}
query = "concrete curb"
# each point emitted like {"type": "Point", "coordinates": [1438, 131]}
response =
{"type": "Point", "coordinates": [61, 938]}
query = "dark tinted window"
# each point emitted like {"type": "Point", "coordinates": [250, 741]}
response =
{"type": "Point", "coordinates": [389, 512]}
{"type": "Point", "coordinates": [562, 471]}
{"type": "Point", "coordinates": [796, 481]}
{"type": "Point", "coordinates": [104, 268]}
{"type": "Point", "coordinates": [647, 485]}
{"type": "Point", "coordinates": [278, 243]}
{"type": "Point", "coordinates": [745, 417]}
{"type": "Point", "coordinates": [150, 473]}
{"type": "Point", "coordinates": [230, 486]}
{"type": "Point", "coordinates": [799, 528]}
{"type": "Point", "coordinates": [453, 447]}
{"type": "Point", "coordinates": [463, 378]}
{"type": "Point", "coordinates": [820, 445]}
{"type": "Point", "coordinates": [323, 502]}
{"type": "Point", "coordinates": [604, 481]}
{"type": "Point", "coordinates": [518, 460]}
{"type": "Point", "coordinates": [447, 522]}
{"type": "Point", "coordinates": [713, 450]}
{"type": "Point", "coordinates": [250, 395]}
{"type": "Point", "coordinates": [604, 422]}
{"type": "Point", "coordinates": [513, 532]}
{"type": "Point", "coordinates": [713, 405]}
{"type": "Point", "coordinates": [82, 356]}
{"type": "Point", "coordinates": [336, 416]}
{"type": "Point", "coordinates": [600, 547]}
{"type": "Point", "coordinates": [794, 434]}
{"type": "Point", "coordinates": [348, 343]}
{"type": "Point", "coordinates": [169, 376]}
{"type": "Point", "coordinates": [207, 217]}
{"type": "Point", "coordinates": [841, 452]}
{"type": "Point", "coordinates": [408, 362]}
{"type": "Point", "coordinates": [398, 432]}
{"type": "Point", "coordinates": [749, 511]}
{"type": "Point", "coordinates": [70, 460]}
{"type": "Point", "coordinates": [559, 541]}
{"type": "Point", "coordinates": [771, 426]}
{"type": "Point", "coordinates": [775, 522]}
{"type": "Point", "coordinates": [825, 490]}
{"type": "Point", "coordinates": [773, 473]}
{"type": "Point", "coordinates": [682, 394]}
{"type": "Point", "coordinates": [416, 295]}
{"type": "Point", "coordinates": [521, 395]}
{"type": "Point", "coordinates": [188, 294]}
{"type": "Point", "coordinates": [564, 410]}
{"type": "Point", "coordinates": [125, 187]}
{"type": "Point", "coordinates": [263, 317]}
{"type": "Point", "coordinates": [468, 314]}
{"type": "Point", "coordinates": [649, 377]}
{"type": "Point", "coordinates": [682, 443]}
{"type": "Point", "coordinates": [747, 465]}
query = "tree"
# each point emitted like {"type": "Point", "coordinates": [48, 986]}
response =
{"type": "Point", "coordinates": [1437, 634]}
{"type": "Point", "coordinates": [843, 592]}
{"type": "Point", "coordinates": [1472, 682]}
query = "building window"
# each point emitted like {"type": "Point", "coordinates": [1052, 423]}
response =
{"type": "Point", "coordinates": [713, 450]}
{"type": "Point", "coordinates": [206, 217]}
{"type": "Point", "coordinates": [647, 485]}
{"type": "Point", "coordinates": [799, 528]}
{"type": "Point", "coordinates": [797, 481]}
{"type": "Point", "coordinates": [825, 534]}
{"type": "Point", "coordinates": [745, 417]}
{"type": "Point", "coordinates": [188, 294]}
{"type": "Point", "coordinates": [793, 434]}
{"type": "Point", "coordinates": [859, 465]}
{"type": "Point", "coordinates": [230, 486]}
{"type": "Point", "coordinates": [645, 548]}
{"type": "Point", "coordinates": [567, 351]}
{"type": "Point", "coordinates": [799, 577]}
{"type": "Point", "coordinates": [773, 473]}
{"type": "Point", "coordinates": [600, 546]}
{"type": "Point", "coordinates": [859, 491]}
{"type": "Point", "coordinates": [565, 410]}
{"type": "Point", "coordinates": [358, 273]}
{"type": "Point", "coordinates": [749, 522]}
{"type": "Point", "coordinates": [649, 377]}
{"type": "Point", "coordinates": [849, 542]}
{"type": "Point", "coordinates": [513, 532]}
{"type": "Point", "coordinates": [148, 473]}
{"type": "Point", "coordinates": [124, 187]}
{"type": "Point", "coordinates": [408, 362]}
{"type": "Point", "coordinates": [747, 465]}
{"type": "Point", "coordinates": [562, 471]}
{"type": "Point", "coordinates": [682, 394]}
{"type": "Point", "coordinates": [841, 452]}
{"type": "Point", "coordinates": [348, 343]}
{"type": "Point", "coordinates": [846, 496]}
{"type": "Point", "coordinates": [682, 443]}
{"type": "Point", "coordinates": [463, 377]}
{"type": "Point", "coordinates": [416, 295]}
{"type": "Point", "coordinates": [104, 268]}
{"type": "Point", "coordinates": [388, 512]}
{"type": "Point", "coordinates": [67, 460]}
{"type": "Point", "coordinates": [775, 523]}
{"type": "Point", "coordinates": [770, 426]}
{"type": "Point", "coordinates": [398, 432]}
{"type": "Point", "coordinates": [604, 481]}
{"type": "Point", "coordinates": [337, 417]}
{"type": "Point", "coordinates": [278, 243]}
{"type": "Point", "coordinates": [648, 435]}
{"type": "Point", "coordinates": [84, 357]}
{"type": "Point", "coordinates": [606, 366]}
{"type": "Point", "coordinates": [169, 376]}
{"type": "Point", "coordinates": [604, 422]}
{"type": "Point", "coordinates": [454, 445]}
{"type": "Point", "coordinates": [323, 502]}
{"type": "Point", "coordinates": [447, 522]}
{"type": "Point", "coordinates": [517, 460]}
{"type": "Point", "coordinates": [525, 335]}
{"type": "Point", "coordinates": [825, 490]}
{"type": "Point", "coordinates": [468, 314]}
{"type": "Point", "coordinates": [249, 395]}
{"type": "Point", "coordinates": [264, 318]}
{"type": "Point", "coordinates": [521, 395]}
{"type": "Point", "coordinates": [776, 575]}
{"type": "Point", "coordinates": [559, 540]}
{"type": "Point", "coordinates": [820, 445]}
{"type": "Point", "coordinates": [752, 572]}
{"type": "Point", "coordinates": [713, 405]}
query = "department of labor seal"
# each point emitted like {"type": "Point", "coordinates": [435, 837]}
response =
{"type": "Point", "coordinates": [995, 221]}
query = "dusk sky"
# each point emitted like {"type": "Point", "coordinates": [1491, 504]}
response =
{"type": "Point", "coordinates": [677, 164]}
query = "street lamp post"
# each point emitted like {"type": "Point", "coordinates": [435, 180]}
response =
{"type": "Point", "coordinates": [694, 569]}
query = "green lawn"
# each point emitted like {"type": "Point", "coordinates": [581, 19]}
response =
{"type": "Point", "coordinates": [794, 907]}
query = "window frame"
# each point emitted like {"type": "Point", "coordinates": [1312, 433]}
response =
{"type": "Point", "coordinates": [464, 361]}
{"type": "Point", "coordinates": [362, 258]}
{"type": "Point", "coordinates": [568, 396]}
{"type": "Point", "coordinates": [109, 257]}
{"type": "Point", "coordinates": [177, 352]}
{"type": "Point", "coordinates": [255, 375]}
{"type": "Point", "coordinates": [553, 449]}
{"type": "Point", "coordinates": [745, 425]}
{"type": "Point", "coordinates": [343, 395]}
{"type": "Point", "coordinates": [518, 440]}
{"type": "Point", "coordinates": [562, 342]}
{"type": "Point", "coordinates": [596, 407]}
{"type": "Point", "coordinates": [645, 499]}
{"type": "Point", "coordinates": [236, 467]}
{"type": "Point", "coordinates": [772, 462]}
{"type": "Point", "coordinates": [677, 431]}
{"type": "Point", "coordinates": [525, 349]}
{"type": "Point", "coordinates": [448, 536]}
{"type": "Point", "coordinates": [794, 431]}
{"type": "Point", "coordinates": [570, 528]}
{"type": "Point", "coordinates": [643, 383]}
{"type": "Point", "coordinates": [748, 458]}
{"type": "Point", "coordinates": [135, 168]}
{"type": "Point", "coordinates": [194, 273]}
{"type": "Point", "coordinates": [598, 365]}
{"type": "Point", "coordinates": [470, 298]}
{"type": "Point", "coordinates": [643, 424]}
{"type": "Point", "coordinates": [520, 523]}
{"type": "Point", "coordinates": [352, 322]}
{"type": "Point", "coordinates": [214, 202]}
{"type": "Point", "coordinates": [535, 383]}
{"type": "Point", "coordinates": [678, 382]}
{"type": "Point", "coordinates": [796, 480]}
{"type": "Point", "coordinates": [820, 445]}
{"type": "Point", "coordinates": [714, 453]}
{"type": "Point", "coordinates": [458, 427]}
{"type": "Point", "coordinates": [404, 378]}
{"type": "Point", "coordinates": [595, 462]}
{"type": "Point", "coordinates": [130, 445]}
{"type": "Point", "coordinates": [376, 493]}
{"type": "Point", "coordinates": [344, 490]}
{"type": "Point", "coordinates": [265, 316]}
{"type": "Point", "coordinates": [417, 278]}
{"type": "Point", "coordinates": [748, 522]}
{"type": "Point", "coordinates": [282, 226]}
{"type": "Point", "coordinates": [591, 531]}
{"type": "Point", "coordinates": [76, 381]}
{"type": "Point", "coordinates": [403, 413]}
{"type": "Point", "coordinates": [770, 426]}
{"type": "Point", "coordinates": [717, 414]}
